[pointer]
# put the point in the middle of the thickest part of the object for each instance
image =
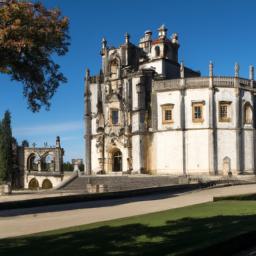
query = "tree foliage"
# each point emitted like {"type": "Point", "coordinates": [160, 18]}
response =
{"type": "Point", "coordinates": [25, 143]}
{"type": "Point", "coordinates": [6, 155]}
{"type": "Point", "coordinates": [30, 35]}
{"type": "Point", "coordinates": [68, 167]}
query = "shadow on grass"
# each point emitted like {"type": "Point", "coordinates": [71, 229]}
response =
{"type": "Point", "coordinates": [179, 237]}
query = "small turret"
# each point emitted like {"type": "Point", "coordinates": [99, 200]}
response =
{"type": "Point", "coordinates": [148, 35]}
{"type": "Point", "coordinates": [174, 38]}
{"type": "Point", "coordinates": [162, 32]}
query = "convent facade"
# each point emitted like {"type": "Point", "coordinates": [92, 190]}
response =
{"type": "Point", "coordinates": [147, 113]}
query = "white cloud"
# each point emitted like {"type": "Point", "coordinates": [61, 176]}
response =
{"type": "Point", "coordinates": [51, 128]}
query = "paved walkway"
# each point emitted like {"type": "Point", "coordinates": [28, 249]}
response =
{"type": "Point", "coordinates": [27, 221]}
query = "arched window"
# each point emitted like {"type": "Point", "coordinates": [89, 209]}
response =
{"type": "Point", "coordinates": [114, 69]}
{"type": "Point", "coordinates": [33, 162]}
{"type": "Point", "coordinates": [157, 51]}
{"type": "Point", "coordinates": [48, 163]}
{"type": "Point", "coordinates": [247, 113]}
{"type": "Point", "coordinates": [33, 184]}
{"type": "Point", "coordinates": [46, 184]}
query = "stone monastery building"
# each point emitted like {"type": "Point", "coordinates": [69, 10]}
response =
{"type": "Point", "coordinates": [147, 113]}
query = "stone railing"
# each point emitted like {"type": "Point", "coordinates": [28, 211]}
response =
{"type": "Point", "coordinates": [200, 82]}
{"type": "Point", "coordinates": [224, 81]}
{"type": "Point", "coordinates": [197, 81]}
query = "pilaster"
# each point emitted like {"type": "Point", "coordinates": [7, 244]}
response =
{"type": "Point", "coordinates": [238, 103]}
{"type": "Point", "coordinates": [88, 135]}
{"type": "Point", "coordinates": [213, 138]}
{"type": "Point", "coordinates": [182, 117]}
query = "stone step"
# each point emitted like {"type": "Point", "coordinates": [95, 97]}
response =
{"type": "Point", "coordinates": [116, 183]}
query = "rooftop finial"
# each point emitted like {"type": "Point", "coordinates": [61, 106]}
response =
{"type": "Point", "coordinates": [58, 141]}
{"type": "Point", "coordinates": [127, 38]}
{"type": "Point", "coordinates": [210, 69]}
{"type": "Point", "coordinates": [251, 72]}
{"type": "Point", "coordinates": [237, 69]}
{"type": "Point", "coordinates": [87, 73]}
{"type": "Point", "coordinates": [175, 38]}
{"type": "Point", "coordinates": [103, 43]}
{"type": "Point", "coordinates": [162, 31]}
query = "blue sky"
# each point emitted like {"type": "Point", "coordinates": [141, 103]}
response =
{"type": "Point", "coordinates": [217, 30]}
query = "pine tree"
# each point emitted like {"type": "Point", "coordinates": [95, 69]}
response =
{"type": "Point", "coordinates": [6, 159]}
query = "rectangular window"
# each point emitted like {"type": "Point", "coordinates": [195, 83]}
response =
{"type": "Point", "coordinates": [224, 111]}
{"type": "Point", "coordinates": [114, 116]}
{"type": "Point", "coordinates": [197, 112]}
{"type": "Point", "coordinates": [167, 113]}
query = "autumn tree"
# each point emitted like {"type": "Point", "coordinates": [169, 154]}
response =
{"type": "Point", "coordinates": [30, 35]}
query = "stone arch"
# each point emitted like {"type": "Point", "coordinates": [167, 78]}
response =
{"type": "Point", "coordinates": [248, 113]}
{"type": "Point", "coordinates": [47, 184]}
{"type": "Point", "coordinates": [33, 184]}
{"type": "Point", "coordinates": [113, 154]}
{"type": "Point", "coordinates": [114, 66]}
{"type": "Point", "coordinates": [227, 166]}
{"type": "Point", "coordinates": [33, 162]}
{"type": "Point", "coordinates": [157, 51]}
{"type": "Point", "coordinates": [48, 162]}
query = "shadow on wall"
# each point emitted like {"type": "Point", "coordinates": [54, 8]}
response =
{"type": "Point", "coordinates": [174, 237]}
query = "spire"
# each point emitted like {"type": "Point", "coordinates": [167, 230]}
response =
{"type": "Point", "coordinates": [237, 69]}
{"type": "Point", "coordinates": [103, 43]}
{"type": "Point", "coordinates": [103, 46]}
{"type": "Point", "coordinates": [127, 38]}
{"type": "Point", "coordinates": [210, 69]}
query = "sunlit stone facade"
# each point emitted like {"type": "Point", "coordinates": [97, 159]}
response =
{"type": "Point", "coordinates": [145, 112]}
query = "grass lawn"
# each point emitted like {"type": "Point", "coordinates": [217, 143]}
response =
{"type": "Point", "coordinates": [173, 232]}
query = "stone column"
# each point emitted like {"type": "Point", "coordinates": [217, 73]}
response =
{"type": "Point", "coordinates": [182, 118]}
{"type": "Point", "coordinates": [251, 77]}
{"type": "Point", "coordinates": [87, 117]}
{"type": "Point", "coordinates": [138, 136]}
{"type": "Point", "coordinates": [213, 139]}
{"type": "Point", "coordinates": [58, 156]}
{"type": "Point", "coordinates": [238, 105]}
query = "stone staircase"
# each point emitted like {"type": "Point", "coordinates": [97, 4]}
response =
{"type": "Point", "coordinates": [118, 183]}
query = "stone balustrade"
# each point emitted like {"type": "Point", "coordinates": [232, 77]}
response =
{"type": "Point", "coordinates": [201, 82]}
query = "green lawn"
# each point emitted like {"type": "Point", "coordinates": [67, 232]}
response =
{"type": "Point", "coordinates": [172, 232]}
